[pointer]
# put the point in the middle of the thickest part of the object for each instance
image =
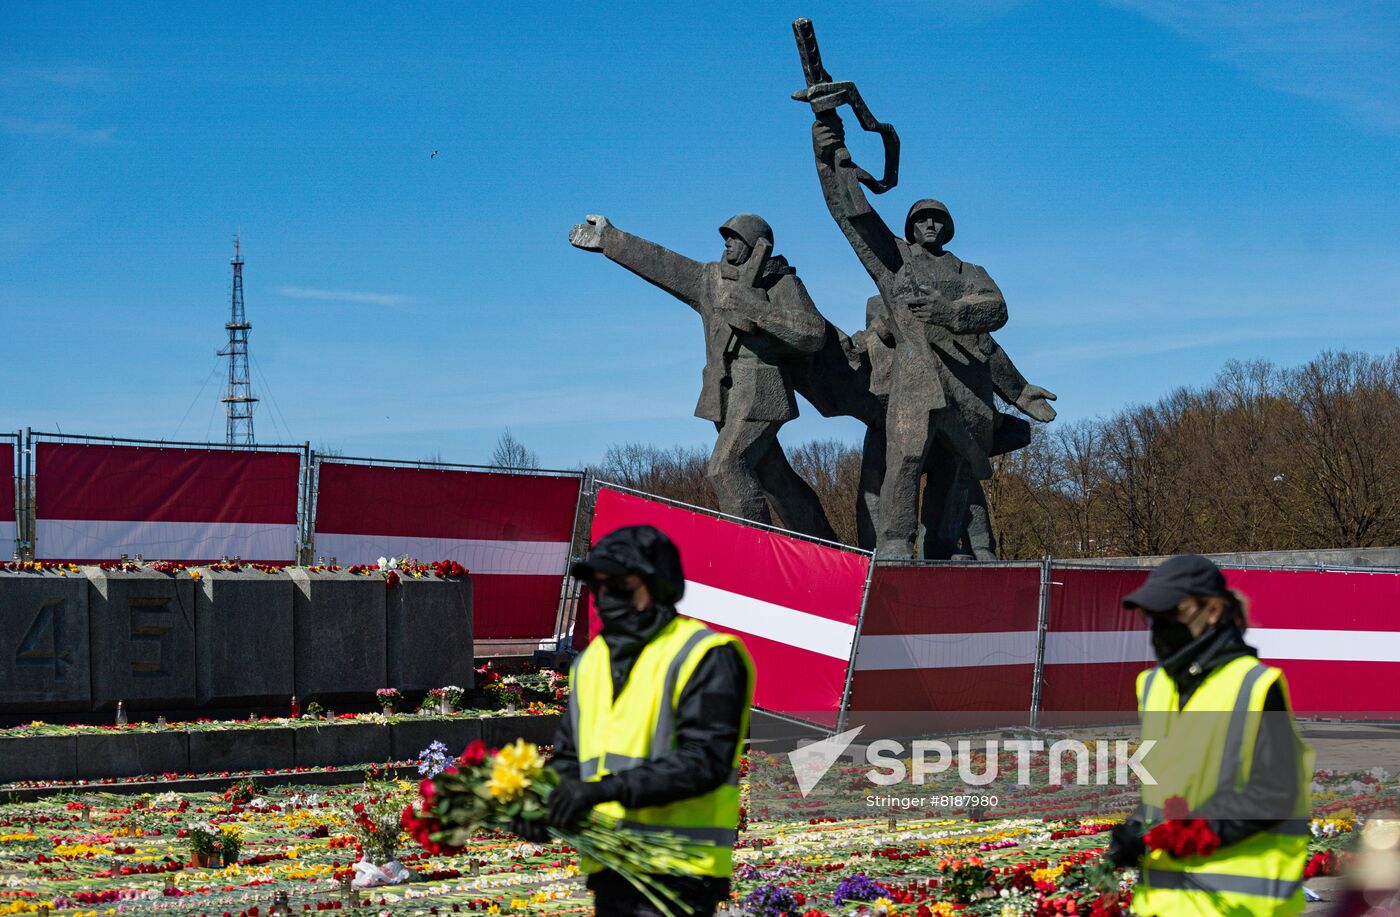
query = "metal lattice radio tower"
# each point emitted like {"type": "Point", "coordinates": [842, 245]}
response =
{"type": "Point", "coordinates": [239, 398]}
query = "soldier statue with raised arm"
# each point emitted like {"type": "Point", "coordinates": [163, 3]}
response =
{"type": "Point", "coordinates": [936, 316]}
{"type": "Point", "coordinates": [759, 325]}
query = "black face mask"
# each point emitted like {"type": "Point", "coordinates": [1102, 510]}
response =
{"type": "Point", "coordinates": [612, 606]}
{"type": "Point", "coordinates": [1169, 636]}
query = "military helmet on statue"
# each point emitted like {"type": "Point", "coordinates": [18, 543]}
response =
{"type": "Point", "coordinates": [747, 226]}
{"type": "Point", "coordinates": [929, 205]}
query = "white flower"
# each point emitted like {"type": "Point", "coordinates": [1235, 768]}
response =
{"type": "Point", "coordinates": [382, 563]}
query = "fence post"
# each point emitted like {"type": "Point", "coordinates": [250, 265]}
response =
{"type": "Point", "coordinates": [842, 710]}
{"type": "Point", "coordinates": [30, 535]}
{"type": "Point", "coordinates": [1041, 625]}
{"type": "Point", "coordinates": [578, 543]}
{"type": "Point", "coordinates": [20, 492]}
{"type": "Point", "coordinates": [305, 547]}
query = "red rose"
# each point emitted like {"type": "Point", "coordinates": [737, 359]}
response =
{"type": "Point", "coordinates": [1176, 808]}
{"type": "Point", "coordinates": [474, 754]}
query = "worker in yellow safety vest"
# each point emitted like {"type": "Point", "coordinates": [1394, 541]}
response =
{"type": "Point", "coordinates": [658, 712]}
{"type": "Point", "coordinates": [1226, 750]}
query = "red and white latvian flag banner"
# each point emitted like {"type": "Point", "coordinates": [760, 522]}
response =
{"type": "Point", "coordinates": [8, 530]}
{"type": "Point", "coordinates": [97, 502]}
{"type": "Point", "coordinates": [794, 603]}
{"type": "Point", "coordinates": [511, 531]}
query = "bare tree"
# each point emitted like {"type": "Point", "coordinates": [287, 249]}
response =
{"type": "Point", "coordinates": [833, 470]}
{"type": "Point", "coordinates": [677, 473]}
{"type": "Point", "coordinates": [1344, 431]}
{"type": "Point", "coordinates": [510, 452]}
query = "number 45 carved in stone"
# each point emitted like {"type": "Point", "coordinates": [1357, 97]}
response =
{"type": "Point", "coordinates": [45, 645]}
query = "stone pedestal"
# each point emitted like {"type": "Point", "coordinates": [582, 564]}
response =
{"type": "Point", "coordinates": [430, 633]}
{"type": "Point", "coordinates": [44, 642]}
{"type": "Point", "coordinates": [243, 628]}
{"type": "Point", "coordinates": [142, 632]}
{"type": "Point", "coordinates": [339, 634]}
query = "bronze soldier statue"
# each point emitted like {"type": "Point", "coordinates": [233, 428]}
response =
{"type": "Point", "coordinates": [938, 313]}
{"type": "Point", "coordinates": [951, 528]}
{"type": "Point", "coordinates": [760, 324]}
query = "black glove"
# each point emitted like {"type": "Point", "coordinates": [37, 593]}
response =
{"type": "Point", "coordinates": [534, 830]}
{"type": "Point", "coordinates": [571, 801]}
{"type": "Point", "coordinates": [1127, 846]}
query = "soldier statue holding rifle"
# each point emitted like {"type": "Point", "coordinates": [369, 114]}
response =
{"type": "Point", "coordinates": [937, 314]}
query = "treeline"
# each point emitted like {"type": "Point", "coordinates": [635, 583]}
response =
{"type": "Point", "coordinates": [1264, 458]}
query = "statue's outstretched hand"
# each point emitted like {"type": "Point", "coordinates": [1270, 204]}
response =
{"type": "Point", "coordinates": [1035, 402]}
{"type": "Point", "coordinates": [589, 235]}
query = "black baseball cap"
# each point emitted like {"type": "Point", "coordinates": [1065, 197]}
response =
{"type": "Point", "coordinates": [1177, 578]}
{"type": "Point", "coordinates": [640, 549]}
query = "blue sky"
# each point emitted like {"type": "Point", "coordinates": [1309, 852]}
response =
{"type": "Point", "coordinates": [1157, 187]}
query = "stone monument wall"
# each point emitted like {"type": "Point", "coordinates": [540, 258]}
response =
{"type": "Point", "coordinates": [81, 642]}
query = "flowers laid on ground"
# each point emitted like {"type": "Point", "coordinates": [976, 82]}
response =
{"type": "Point", "coordinates": [858, 888]}
{"type": "Point", "coordinates": [375, 819]}
{"type": "Point", "coordinates": [39, 566]}
{"type": "Point", "coordinates": [88, 851]}
{"type": "Point", "coordinates": [243, 791]}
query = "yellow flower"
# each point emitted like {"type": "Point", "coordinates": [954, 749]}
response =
{"type": "Point", "coordinates": [506, 784]}
{"type": "Point", "coordinates": [493, 909]}
{"type": "Point", "coordinates": [195, 574]}
{"type": "Point", "coordinates": [521, 756]}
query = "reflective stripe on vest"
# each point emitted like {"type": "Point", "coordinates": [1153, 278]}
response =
{"type": "Point", "coordinates": [1282, 889]}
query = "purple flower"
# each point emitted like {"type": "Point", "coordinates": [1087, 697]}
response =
{"type": "Point", "coordinates": [770, 901]}
{"type": "Point", "coordinates": [858, 888]}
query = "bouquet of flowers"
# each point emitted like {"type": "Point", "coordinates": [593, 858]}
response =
{"type": "Point", "coordinates": [487, 789]}
{"type": "Point", "coordinates": [376, 821]}
{"type": "Point", "coordinates": [963, 879]}
{"type": "Point", "coordinates": [1180, 835]}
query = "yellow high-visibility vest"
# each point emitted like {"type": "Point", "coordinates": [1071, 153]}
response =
{"type": "Point", "coordinates": [614, 735]}
{"type": "Point", "coordinates": [1206, 749]}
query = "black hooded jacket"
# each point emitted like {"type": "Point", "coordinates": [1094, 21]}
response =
{"type": "Point", "coordinates": [710, 715]}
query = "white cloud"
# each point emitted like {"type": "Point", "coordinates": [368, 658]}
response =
{"type": "Point", "coordinates": [58, 130]}
{"type": "Point", "coordinates": [1343, 53]}
{"type": "Point", "coordinates": [360, 296]}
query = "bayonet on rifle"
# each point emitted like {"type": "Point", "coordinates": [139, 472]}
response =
{"type": "Point", "coordinates": [825, 94]}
